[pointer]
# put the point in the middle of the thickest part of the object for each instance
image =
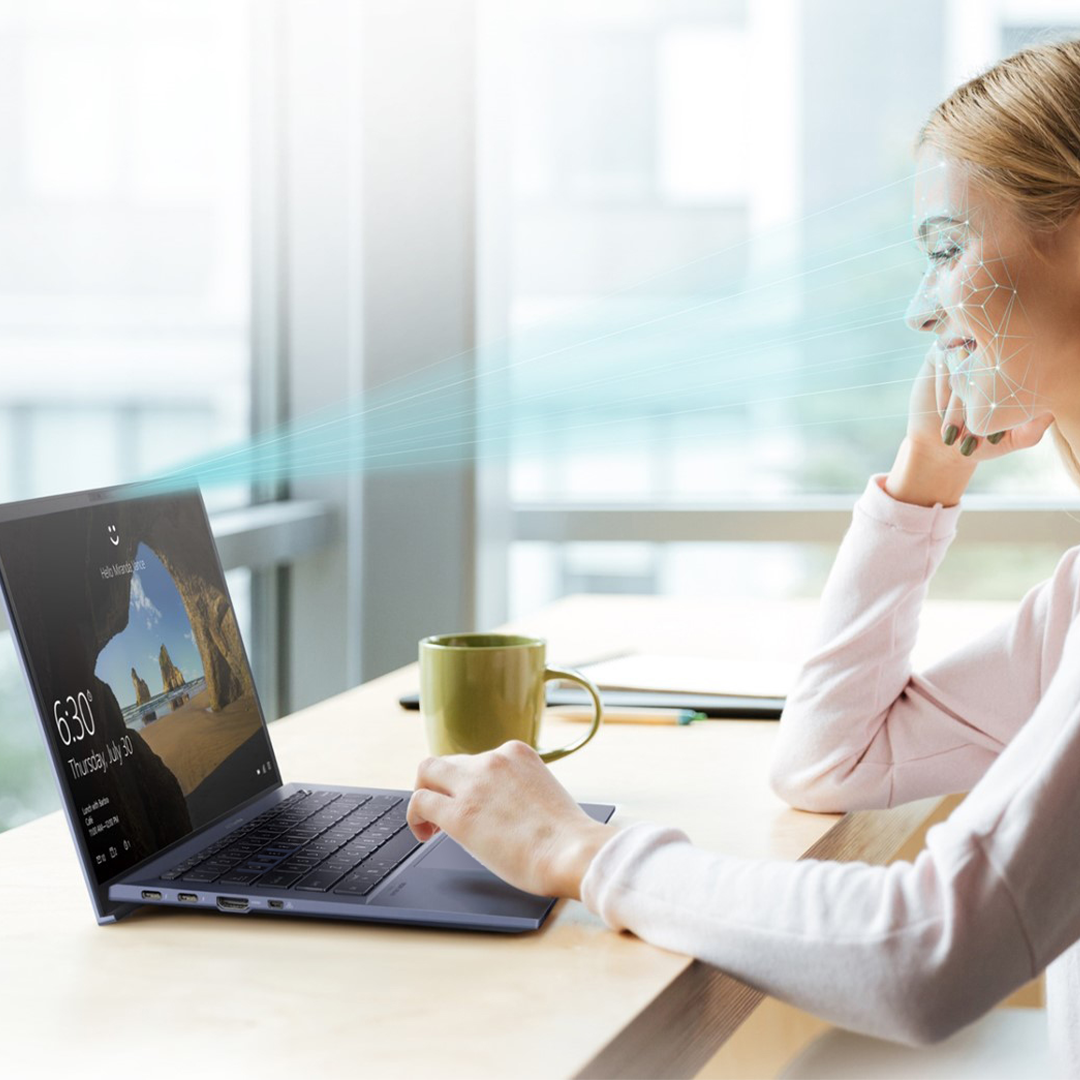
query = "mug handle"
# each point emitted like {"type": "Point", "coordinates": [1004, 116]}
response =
{"type": "Point", "coordinates": [573, 676]}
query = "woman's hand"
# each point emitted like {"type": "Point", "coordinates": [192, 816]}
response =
{"type": "Point", "coordinates": [507, 810]}
{"type": "Point", "coordinates": [936, 420]}
{"type": "Point", "coordinates": [938, 458]}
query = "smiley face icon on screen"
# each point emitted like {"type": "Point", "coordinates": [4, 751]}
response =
{"type": "Point", "coordinates": [114, 536]}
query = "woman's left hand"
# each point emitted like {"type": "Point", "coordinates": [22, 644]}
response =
{"type": "Point", "coordinates": [507, 810]}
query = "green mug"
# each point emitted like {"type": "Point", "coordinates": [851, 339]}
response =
{"type": "Point", "coordinates": [478, 691]}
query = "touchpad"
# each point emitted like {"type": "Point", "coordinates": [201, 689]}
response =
{"type": "Point", "coordinates": [450, 855]}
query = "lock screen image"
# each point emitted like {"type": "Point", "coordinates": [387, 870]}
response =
{"type": "Point", "coordinates": [133, 644]}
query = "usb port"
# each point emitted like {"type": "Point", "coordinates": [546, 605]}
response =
{"type": "Point", "coordinates": [188, 897]}
{"type": "Point", "coordinates": [151, 894]}
{"type": "Point", "coordinates": [275, 904]}
{"type": "Point", "coordinates": [232, 903]}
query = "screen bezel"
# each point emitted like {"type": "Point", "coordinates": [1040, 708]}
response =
{"type": "Point", "coordinates": [107, 910]}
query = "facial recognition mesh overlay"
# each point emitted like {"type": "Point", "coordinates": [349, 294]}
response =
{"type": "Point", "coordinates": [145, 693]}
{"type": "Point", "coordinates": [971, 287]}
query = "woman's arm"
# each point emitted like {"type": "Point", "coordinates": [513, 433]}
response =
{"type": "Point", "coordinates": [911, 951]}
{"type": "Point", "coordinates": [860, 729]}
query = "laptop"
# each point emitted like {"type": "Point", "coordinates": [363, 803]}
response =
{"type": "Point", "coordinates": [133, 656]}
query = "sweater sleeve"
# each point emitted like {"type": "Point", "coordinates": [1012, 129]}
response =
{"type": "Point", "coordinates": [910, 951]}
{"type": "Point", "coordinates": [860, 729]}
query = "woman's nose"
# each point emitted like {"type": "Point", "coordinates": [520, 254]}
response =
{"type": "Point", "coordinates": [923, 311]}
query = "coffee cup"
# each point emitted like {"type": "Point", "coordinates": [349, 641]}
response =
{"type": "Point", "coordinates": [478, 691]}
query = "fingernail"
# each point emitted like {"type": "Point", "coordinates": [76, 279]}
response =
{"type": "Point", "coordinates": [996, 437]}
{"type": "Point", "coordinates": [950, 434]}
{"type": "Point", "coordinates": [968, 445]}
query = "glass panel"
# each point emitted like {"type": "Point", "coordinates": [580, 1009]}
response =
{"type": "Point", "coordinates": [124, 269]}
{"type": "Point", "coordinates": [705, 249]}
{"type": "Point", "coordinates": [124, 228]}
{"type": "Point", "coordinates": [27, 788]}
{"type": "Point", "coordinates": [543, 572]}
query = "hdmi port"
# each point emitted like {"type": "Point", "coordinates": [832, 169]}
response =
{"type": "Point", "coordinates": [232, 903]}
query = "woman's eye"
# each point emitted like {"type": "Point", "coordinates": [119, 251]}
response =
{"type": "Point", "coordinates": [943, 255]}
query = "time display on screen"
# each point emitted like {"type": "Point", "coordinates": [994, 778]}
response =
{"type": "Point", "coordinates": [74, 717]}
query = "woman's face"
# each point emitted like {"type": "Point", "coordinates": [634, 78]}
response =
{"type": "Point", "coordinates": [1002, 303]}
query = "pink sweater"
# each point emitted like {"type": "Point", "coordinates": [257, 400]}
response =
{"type": "Point", "coordinates": [911, 951]}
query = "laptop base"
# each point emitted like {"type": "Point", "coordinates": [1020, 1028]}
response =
{"type": "Point", "coordinates": [439, 885]}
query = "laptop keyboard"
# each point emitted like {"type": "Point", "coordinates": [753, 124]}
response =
{"type": "Point", "coordinates": [313, 841]}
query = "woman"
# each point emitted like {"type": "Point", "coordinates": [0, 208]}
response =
{"type": "Point", "coordinates": [911, 951]}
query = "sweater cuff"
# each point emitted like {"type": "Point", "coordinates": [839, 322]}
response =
{"type": "Point", "coordinates": [938, 522]}
{"type": "Point", "coordinates": [613, 866]}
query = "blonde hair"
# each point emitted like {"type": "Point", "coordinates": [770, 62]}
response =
{"type": "Point", "coordinates": [1017, 129]}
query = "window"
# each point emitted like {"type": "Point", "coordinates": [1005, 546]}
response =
{"type": "Point", "coordinates": [124, 274]}
{"type": "Point", "coordinates": [706, 258]}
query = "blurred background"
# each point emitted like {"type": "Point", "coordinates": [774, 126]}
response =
{"type": "Point", "coordinates": [640, 265]}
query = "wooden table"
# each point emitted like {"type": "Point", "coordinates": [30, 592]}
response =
{"type": "Point", "coordinates": [183, 994]}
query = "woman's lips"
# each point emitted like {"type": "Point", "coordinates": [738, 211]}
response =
{"type": "Point", "coordinates": [959, 343]}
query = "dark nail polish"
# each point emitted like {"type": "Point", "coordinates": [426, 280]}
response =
{"type": "Point", "coordinates": [950, 434]}
{"type": "Point", "coordinates": [996, 437]}
{"type": "Point", "coordinates": [968, 446]}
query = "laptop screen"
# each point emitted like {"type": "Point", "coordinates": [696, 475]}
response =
{"type": "Point", "coordinates": [131, 644]}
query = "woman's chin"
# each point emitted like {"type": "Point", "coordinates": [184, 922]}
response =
{"type": "Point", "coordinates": [983, 422]}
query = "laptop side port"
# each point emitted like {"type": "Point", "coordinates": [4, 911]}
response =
{"type": "Point", "coordinates": [277, 905]}
{"type": "Point", "coordinates": [188, 897]}
{"type": "Point", "coordinates": [232, 903]}
{"type": "Point", "coordinates": [151, 894]}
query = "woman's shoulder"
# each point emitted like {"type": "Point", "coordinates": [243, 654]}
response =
{"type": "Point", "coordinates": [1052, 608]}
{"type": "Point", "coordinates": [1064, 583]}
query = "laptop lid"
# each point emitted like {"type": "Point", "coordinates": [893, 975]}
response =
{"type": "Point", "coordinates": [132, 652]}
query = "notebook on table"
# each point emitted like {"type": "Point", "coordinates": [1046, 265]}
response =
{"type": "Point", "coordinates": [719, 688]}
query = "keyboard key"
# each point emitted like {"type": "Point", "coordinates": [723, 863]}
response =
{"type": "Point", "coordinates": [358, 884]}
{"type": "Point", "coordinates": [201, 875]}
{"type": "Point", "coordinates": [399, 847]}
{"type": "Point", "coordinates": [360, 848]}
{"type": "Point", "coordinates": [385, 800]}
{"type": "Point", "coordinates": [338, 866]}
{"type": "Point", "coordinates": [238, 877]}
{"type": "Point", "coordinates": [297, 868]}
{"type": "Point", "coordinates": [318, 881]}
{"type": "Point", "coordinates": [380, 832]}
{"type": "Point", "coordinates": [279, 879]}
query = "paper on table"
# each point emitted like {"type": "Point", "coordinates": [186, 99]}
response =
{"type": "Point", "coordinates": [694, 675]}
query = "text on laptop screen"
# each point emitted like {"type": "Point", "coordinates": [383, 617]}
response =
{"type": "Point", "coordinates": [145, 690]}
